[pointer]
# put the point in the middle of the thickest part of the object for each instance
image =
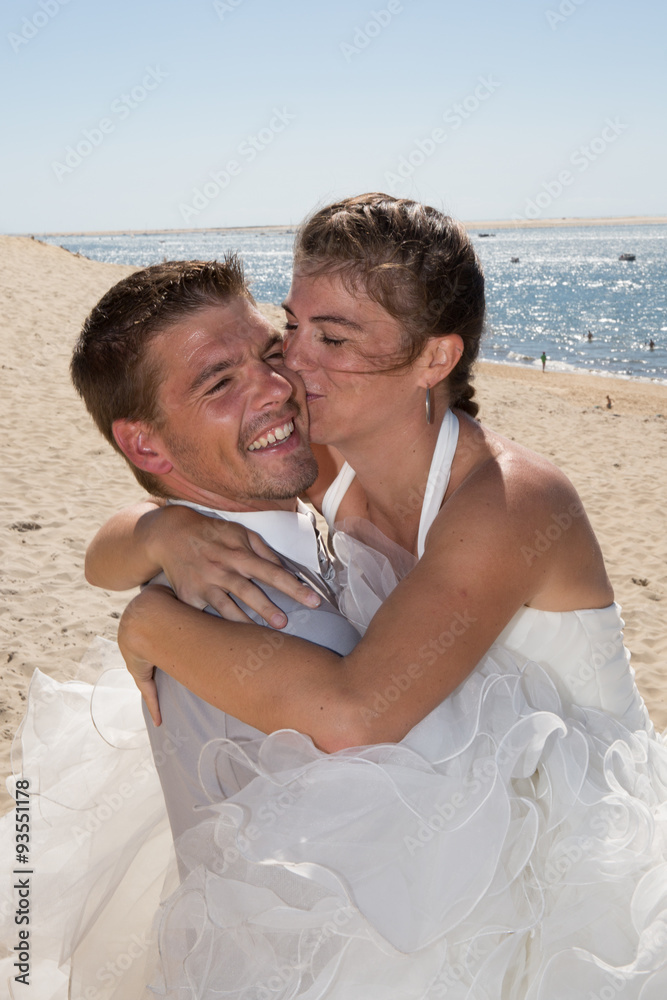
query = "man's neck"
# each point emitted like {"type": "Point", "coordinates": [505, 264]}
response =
{"type": "Point", "coordinates": [216, 501]}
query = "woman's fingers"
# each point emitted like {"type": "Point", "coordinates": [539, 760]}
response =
{"type": "Point", "coordinates": [259, 546]}
{"type": "Point", "coordinates": [129, 636]}
{"type": "Point", "coordinates": [229, 610]}
{"type": "Point", "coordinates": [254, 598]}
{"type": "Point", "coordinates": [231, 564]}
{"type": "Point", "coordinates": [143, 675]}
{"type": "Point", "coordinates": [148, 690]}
{"type": "Point", "coordinates": [267, 568]}
{"type": "Point", "coordinates": [210, 558]}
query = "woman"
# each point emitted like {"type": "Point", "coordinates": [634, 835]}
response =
{"type": "Point", "coordinates": [500, 829]}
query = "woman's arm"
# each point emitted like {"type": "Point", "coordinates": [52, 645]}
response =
{"type": "Point", "coordinates": [205, 560]}
{"type": "Point", "coordinates": [425, 639]}
{"type": "Point", "coordinates": [118, 558]}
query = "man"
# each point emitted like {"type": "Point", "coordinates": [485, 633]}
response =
{"type": "Point", "coordinates": [186, 379]}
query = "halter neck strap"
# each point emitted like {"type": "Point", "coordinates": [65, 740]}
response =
{"type": "Point", "coordinates": [438, 476]}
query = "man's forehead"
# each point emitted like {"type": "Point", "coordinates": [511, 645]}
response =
{"type": "Point", "coordinates": [229, 328]}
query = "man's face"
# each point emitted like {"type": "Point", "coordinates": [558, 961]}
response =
{"type": "Point", "coordinates": [234, 423]}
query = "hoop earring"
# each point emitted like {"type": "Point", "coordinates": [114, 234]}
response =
{"type": "Point", "coordinates": [429, 407]}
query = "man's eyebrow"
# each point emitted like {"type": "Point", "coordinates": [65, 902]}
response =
{"type": "Point", "coordinates": [336, 320]}
{"type": "Point", "coordinates": [217, 367]}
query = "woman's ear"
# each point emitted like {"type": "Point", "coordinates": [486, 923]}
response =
{"type": "Point", "coordinates": [440, 356]}
{"type": "Point", "coordinates": [142, 446]}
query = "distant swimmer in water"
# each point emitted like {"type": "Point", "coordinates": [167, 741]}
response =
{"type": "Point", "coordinates": [610, 402]}
{"type": "Point", "coordinates": [543, 359]}
{"type": "Point", "coordinates": [590, 336]}
{"type": "Point", "coordinates": [651, 345]}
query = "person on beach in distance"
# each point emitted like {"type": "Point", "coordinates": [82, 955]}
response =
{"type": "Point", "coordinates": [438, 810]}
{"type": "Point", "coordinates": [543, 359]}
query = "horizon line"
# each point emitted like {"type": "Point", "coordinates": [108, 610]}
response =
{"type": "Point", "coordinates": [546, 223]}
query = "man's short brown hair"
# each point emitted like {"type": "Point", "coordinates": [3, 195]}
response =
{"type": "Point", "coordinates": [111, 369]}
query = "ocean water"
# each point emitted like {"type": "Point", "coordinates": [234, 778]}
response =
{"type": "Point", "coordinates": [566, 282]}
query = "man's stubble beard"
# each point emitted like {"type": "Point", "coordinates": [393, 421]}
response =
{"type": "Point", "coordinates": [281, 484]}
{"type": "Point", "coordinates": [277, 483]}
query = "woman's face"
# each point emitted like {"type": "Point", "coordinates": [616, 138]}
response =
{"type": "Point", "coordinates": [339, 342]}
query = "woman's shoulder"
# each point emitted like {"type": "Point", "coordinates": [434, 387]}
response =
{"type": "Point", "coordinates": [514, 509]}
{"type": "Point", "coordinates": [493, 466]}
{"type": "Point", "coordinates": [500, 494]}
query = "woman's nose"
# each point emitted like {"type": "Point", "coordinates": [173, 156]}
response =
{"type": "Point", "coordinates": [297, 356]}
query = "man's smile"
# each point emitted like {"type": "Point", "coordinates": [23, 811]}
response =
{"type": "Point", "coordinates": [272, 436]}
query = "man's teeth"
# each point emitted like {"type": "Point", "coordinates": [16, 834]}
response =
{"type": "Point", "coordinates": [277, 434]}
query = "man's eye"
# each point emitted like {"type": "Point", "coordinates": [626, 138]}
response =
{"type": "Point", "coordinates": [218, 385]}
{"type": "Point", "coordinates": [330, 341]}
{"type": "Point", "coordinates": [275, 356]}
{"type": "Point", "coordinates": [290, 326]}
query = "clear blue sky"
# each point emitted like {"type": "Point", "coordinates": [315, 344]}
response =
{"type": "Point", "coordinates": [308, 108]}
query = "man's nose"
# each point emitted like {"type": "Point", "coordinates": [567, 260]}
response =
{"type": "Point", "coordinates": [272, 388]}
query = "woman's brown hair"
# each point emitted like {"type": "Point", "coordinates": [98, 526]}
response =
{"type": "Point", "coordinates": [417, 263]}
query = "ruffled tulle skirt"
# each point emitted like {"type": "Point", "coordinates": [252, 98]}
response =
{"type": "Point", "coordinates": [93, 827]}
{"type": "Point", "coordinates": [511, 846]}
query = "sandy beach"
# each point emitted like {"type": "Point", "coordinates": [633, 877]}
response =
{"type": "Point", "coordinates": [61, 480]}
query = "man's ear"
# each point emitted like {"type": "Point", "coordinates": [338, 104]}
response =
{"type": "Point", "coordinates": [142, 446]}
{"type": "Point", "coordinates": [440, 356]}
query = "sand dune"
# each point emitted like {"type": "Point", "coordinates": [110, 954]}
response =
{"type": "Point", "coordinates": [60, 480]}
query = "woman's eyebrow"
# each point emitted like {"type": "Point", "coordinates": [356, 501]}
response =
{"type": "Point", "coordinates": [330, 318]}
{"type": "Point", "coordinates": [337, 321]}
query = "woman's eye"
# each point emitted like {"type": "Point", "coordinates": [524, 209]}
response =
{"type": "Point", "coordinates": [330, 341]}
{"type": "Point", "coordinates": [290, 326]}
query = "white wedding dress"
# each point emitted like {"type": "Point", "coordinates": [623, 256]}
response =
{"type": "Point", "coordinates": [512, 847]}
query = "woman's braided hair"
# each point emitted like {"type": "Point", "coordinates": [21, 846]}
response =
{"type": "Point", "coordinates": [417, 263]}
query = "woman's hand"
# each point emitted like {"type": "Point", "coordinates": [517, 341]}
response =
{"type": "Point", "coordinates": [207, 559]}
{"type": "Point", "coordinates": [135, 622]}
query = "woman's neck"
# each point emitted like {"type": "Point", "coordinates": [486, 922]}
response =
{"type": "Point", "coordinates": [392, 468]}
